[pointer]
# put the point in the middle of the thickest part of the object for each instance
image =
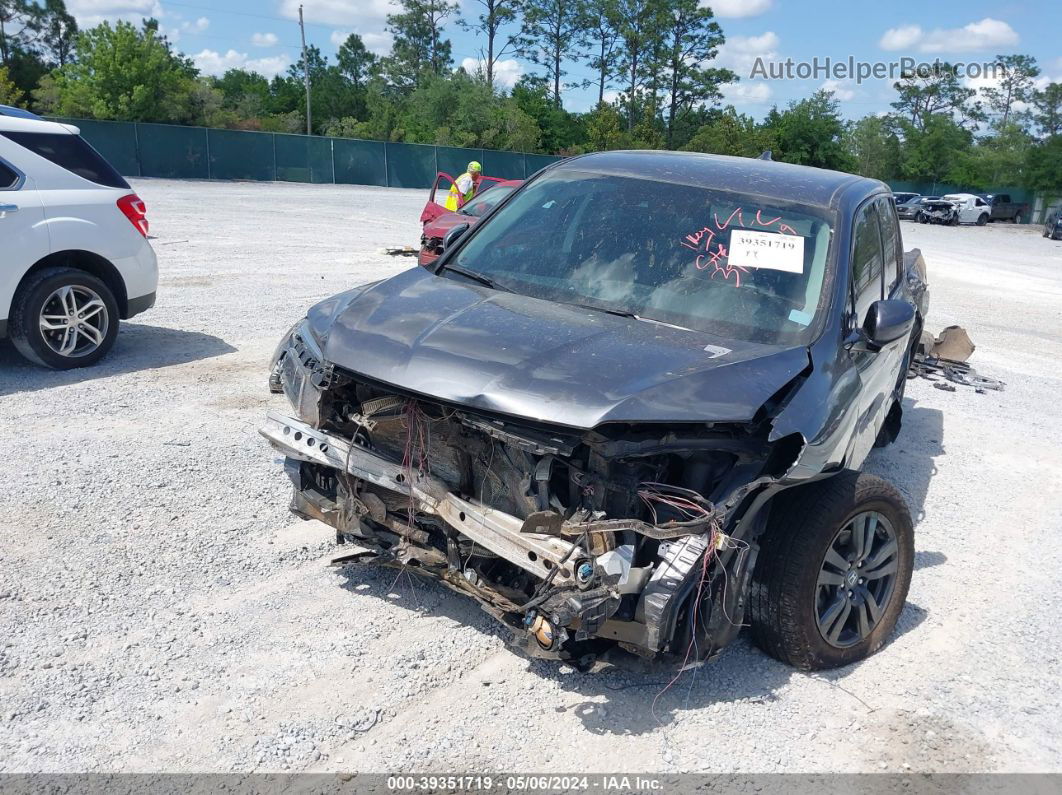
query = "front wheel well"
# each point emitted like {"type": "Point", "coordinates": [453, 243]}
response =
{"type": "Point", "coordinates": [89, 262]}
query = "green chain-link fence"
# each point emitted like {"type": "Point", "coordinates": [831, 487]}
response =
{"type": "Point", "coordinates": [167, 150]}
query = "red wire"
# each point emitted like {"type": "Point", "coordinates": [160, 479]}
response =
{"type": "Point", "coordinates": [693, 624]}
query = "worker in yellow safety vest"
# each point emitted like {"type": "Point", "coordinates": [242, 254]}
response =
{"type": "Point", "coordinates": [464, 187]}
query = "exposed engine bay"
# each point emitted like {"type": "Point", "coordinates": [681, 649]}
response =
{"type": "Point", "coordinates": [577, 541]}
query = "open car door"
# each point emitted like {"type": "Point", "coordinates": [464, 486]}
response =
{"type": "Point", "coordinates": [439, 190]}
{"type": "Point", "coordinates": [434, 208]}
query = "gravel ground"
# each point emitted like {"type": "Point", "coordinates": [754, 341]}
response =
{"type": "Point", "coordinates": [161, 611]}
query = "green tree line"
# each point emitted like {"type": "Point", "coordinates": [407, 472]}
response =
{"type": "Point", "coordinates": [656, 57]}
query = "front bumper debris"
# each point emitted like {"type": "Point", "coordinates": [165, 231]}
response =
{"type": "Point", "coordinates": [499, 532]}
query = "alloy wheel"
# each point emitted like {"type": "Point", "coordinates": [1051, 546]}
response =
{"type": "Point", "coordinates": [74, 321]}
{"type": "Point", "coordinates": [856, 580]}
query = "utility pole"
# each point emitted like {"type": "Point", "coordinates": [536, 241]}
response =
{"type": "Point", "coordinates": [305, 73]}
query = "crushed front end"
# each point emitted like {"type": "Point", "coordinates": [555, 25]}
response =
{"type": "Point", "coordinates": [641, 535]}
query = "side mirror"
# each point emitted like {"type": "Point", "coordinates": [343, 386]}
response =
{"type": "Point", "coordinates": [451, 237]}
{"type": "Point", "coordinates": [887, 321]}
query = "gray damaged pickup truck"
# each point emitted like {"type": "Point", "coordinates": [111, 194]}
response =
{"type": "Point", "coordinates": [629, 407]}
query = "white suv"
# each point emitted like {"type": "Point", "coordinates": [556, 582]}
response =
{"type": "Point", "coordinates": [74, 254]}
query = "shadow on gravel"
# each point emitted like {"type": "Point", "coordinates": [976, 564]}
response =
{"type": "Point", "coordinates": [640, 696]}
{"type": "Point", "coordinates": [909, 463]}
{"type": "Point", "coordinates": [138, 347]}
{"type": "Point", "coordinates": [927, 560]}
{"type": "Point", "coordinates": [646, 696]}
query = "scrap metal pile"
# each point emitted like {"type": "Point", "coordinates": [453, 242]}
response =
{"type": "Point", "coordinates": [943, 360]}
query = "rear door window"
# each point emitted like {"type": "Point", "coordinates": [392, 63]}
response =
{"type": "Point", "coordinates": [890, 238]}
{"type": "Point", "coordinates": [8, 176]}
{"type": "Point", "coordinates": [72, 153]}
{"type": "Point", "coordinates": [866, 261]}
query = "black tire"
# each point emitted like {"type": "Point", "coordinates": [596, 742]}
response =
{"type": "Point", "coordinates": [804, 524]}
{"type": "Point", "coordinates": [982, 219]}
{"type": "Point", "coordinates": [25, 329]}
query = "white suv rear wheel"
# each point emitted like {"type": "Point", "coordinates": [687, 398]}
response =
{"type": "Point", "coordinates": [64, 318]}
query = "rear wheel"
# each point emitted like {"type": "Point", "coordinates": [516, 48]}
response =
{"type": "Point", "coordinates": [982, 219]}
{"type": "Point", "coordinates": [64, 318]}
{"type": "Point", "coordinates": [833, 571]}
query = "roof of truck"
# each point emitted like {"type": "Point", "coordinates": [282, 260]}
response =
{"type": "Point", "coordinates": [785, 181]}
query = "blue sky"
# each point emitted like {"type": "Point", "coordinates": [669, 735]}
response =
{"type": "Point", "coordinates": [264, 35]}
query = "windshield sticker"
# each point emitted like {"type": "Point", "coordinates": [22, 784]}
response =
{"type": "Point", "coordinates": [750, 249]}
{"type": "Point", "coordinates": [726, 261]}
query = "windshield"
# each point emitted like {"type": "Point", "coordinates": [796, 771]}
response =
{"type": "Point", "coordinates": [720, 262]}
{"type": "Point", "coordinates": [479, 205]}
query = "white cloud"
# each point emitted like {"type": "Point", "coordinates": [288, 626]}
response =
{"type": "Point", "coordinates": [740, 52]}
{"type": "Point", "coordinates": [173, 34]}
{"type": "Point", "coordinates": [901, 38]}
{"type": "Point", "coordinates": [264, 39]}
{"type": "Point", "coordinates": [739, 8]}
{"type": "Point", "coordinates": [746, 93]}
{"type": "Point", "coordinates": [212, 62]}
{"type": "Point", "coordinates": [378, 43]}
{"type": "Point", "coordinates": [339, 12]}
{"type": "Point", "coordinates": [182, 26]}
{"type": "Point", "coordinates": [506, 72]}
{"type": "Point", "coordinates": [986, 34]}
{"type": "Point", "coordinates": [110, 7]}
{"type": "Point", "coordinates": [90, 13]}
{"type": "Point", "coordinates": [841, 90]}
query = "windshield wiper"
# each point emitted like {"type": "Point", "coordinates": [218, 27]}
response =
{"type": "Point", "coordinates": [476, 277]}
{"type": "Point", "coordinates": [632, 316]}
{"type": "Point", "coordinates": [617, 312]}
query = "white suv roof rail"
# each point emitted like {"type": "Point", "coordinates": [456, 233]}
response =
{"type": "Point", "coordinates": [35, 124]}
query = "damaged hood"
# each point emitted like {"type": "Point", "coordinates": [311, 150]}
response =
{"type": "Point", "coordinates": [545, 361]}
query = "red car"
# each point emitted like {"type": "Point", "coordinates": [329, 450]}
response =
{"type": "Point", "coordinates": [437, 220]}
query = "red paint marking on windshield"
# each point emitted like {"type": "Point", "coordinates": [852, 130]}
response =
{"type": "Point", "coordinates": [693, 241]}
{"type": "Point", "coordinates": [717, 261]}
{"type": "Point", "coordinates": [723, 227]}
{"type": "Point", "coordinates": [715, 254]}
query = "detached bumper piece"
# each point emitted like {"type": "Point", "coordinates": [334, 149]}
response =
{"type": "Point", "coordinates": [577, 586]}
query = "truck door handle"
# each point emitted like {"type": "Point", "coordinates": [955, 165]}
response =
{"type": "Point", "coordinates": [8, 208]}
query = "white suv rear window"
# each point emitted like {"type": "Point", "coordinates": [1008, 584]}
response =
{"type": "Point", "coordinates": [72, 153]}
